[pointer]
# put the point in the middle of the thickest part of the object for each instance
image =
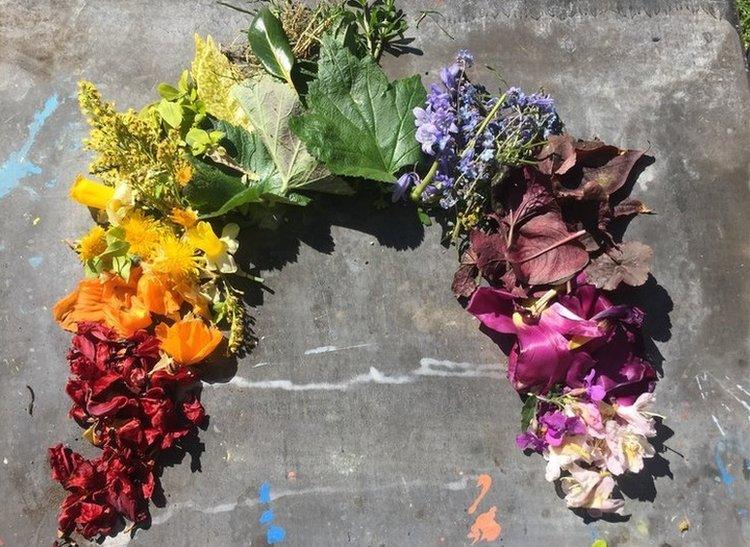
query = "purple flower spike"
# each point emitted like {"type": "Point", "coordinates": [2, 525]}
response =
{"type": "Point", "coordinates": [402, 185]}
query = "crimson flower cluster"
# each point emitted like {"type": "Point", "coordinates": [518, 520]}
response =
{"type": "Point", "coordinates": [132, 410]}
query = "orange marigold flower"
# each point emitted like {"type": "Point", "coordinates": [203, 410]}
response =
{"type": "Point", "coordinates": [158, 295]}
{"type": "Point", "coordinates": [110, 300]}
{"type": "Point", "coordinates": [184, 217]}
{"type": "Point", "coordinates": [184, 175]}
{"type": "Point", "coordinates": [188, 341]}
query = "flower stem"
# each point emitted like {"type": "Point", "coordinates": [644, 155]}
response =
{"type": "Point", "coordinates": [416, 193]}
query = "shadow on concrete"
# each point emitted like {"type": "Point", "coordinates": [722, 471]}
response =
{"type": "Point", "coordinates": [369, 211]}
{"type": "Point", "coordinates": [642, 486]}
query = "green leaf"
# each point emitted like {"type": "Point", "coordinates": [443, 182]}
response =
{"type": "Point", "coordinates": [332, 185]}
{"type": "Point", "coordinates": [528, 411]}
{"type": "Point", "coordinates": [424, 218]}
{"type": "Point", "coordinates": [270, 105]}
{"type": "Point", "coordinates": [168, 92]}
{"type": "Point", "coordinates": [210, 187]}
{"type": "Point", "coordinates": [270, 45]}
{"type": "Point", "coordinates": [246, 149]}
{"type": "Point", "coordinates": [170, 112]}
{"type": "Point", "coordinates": [121, 266]}
{"type": "Point", "coordinates": [358, 124]}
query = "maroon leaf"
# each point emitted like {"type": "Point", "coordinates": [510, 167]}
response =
{"type": "Point", "coordinates": [465, 278]}
{"type": "Point", "coordinates": [558, 155]}
{"type": "Point", "coordinates": [630, 263]}
{"type": "Point", "coordinates": [526, 193]}
{"type": "Point", "coordinates": [490, 253]}
{"type": "Point", "coordinates": [544, 252]}
{"type": "Point", "coordinates": [630, 207]}
{"type": "Point", "coordinates": [612, 175]}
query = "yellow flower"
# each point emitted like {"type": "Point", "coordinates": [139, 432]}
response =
{"type": "Point", "coordinates": [142, 233]}
{"type": "Point", "coordinates": [92, 244]}
{"type": "Point", "coordinates": [91, 193]}
{"type": "Point", "coordinates": [203, 237]}
{"type": "Point", "coordinates": [184, 175]}
{"type": "Point", "coordinates": [174, 257]}
{"type": "Point", "coordinates": [218, 251]}
{"type": "Point", "coordinates": [184, 217]}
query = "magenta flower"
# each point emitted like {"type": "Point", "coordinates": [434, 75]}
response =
{"type": "Point", "coordinates": [556, 425]}
{"type": "Point", "coordinates": [582, 341]}
{"type": "Point", "coordinates": [542, 355]}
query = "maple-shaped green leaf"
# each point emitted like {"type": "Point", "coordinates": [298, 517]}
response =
{"type": "Point", "coordinates": [358, 123]}
{"type": "Point", "coordinates": [270, 105]}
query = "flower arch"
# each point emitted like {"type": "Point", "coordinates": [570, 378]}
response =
{"type": "Point", "coordinates": [535, 215]}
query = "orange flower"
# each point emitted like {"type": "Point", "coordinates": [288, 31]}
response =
{"type": "Point", "coordinates": [188, 341]}
{"type": "Point", "coordinates": [184, 217]}
{"type": "Point", "coordinates": [157, 296]}
{"type": "Point", "coordinates": [111, 301]}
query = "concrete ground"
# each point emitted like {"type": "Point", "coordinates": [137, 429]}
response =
{"type": "Point", "coordinates": [373, 402]}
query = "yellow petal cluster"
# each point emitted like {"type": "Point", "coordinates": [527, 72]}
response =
{"type": "Point", "coordinates": [92, 244]}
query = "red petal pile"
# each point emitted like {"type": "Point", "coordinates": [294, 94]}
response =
{"type": "Point", "coordinates": [130, 410]}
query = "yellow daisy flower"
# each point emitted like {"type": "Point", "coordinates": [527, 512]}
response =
{"type": "Point", "coordinates": [142, 233]}
{"type": "Point", "coordinates": [92, 244]}
{"type": "Point", "coordinates": [174, 257]}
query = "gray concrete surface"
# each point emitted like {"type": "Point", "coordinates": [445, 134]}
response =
{"type": "Point", "coordinates": [379, 441]}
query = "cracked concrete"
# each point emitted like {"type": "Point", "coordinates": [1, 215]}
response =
{"type": "Point", "coordinates": [393, 463]}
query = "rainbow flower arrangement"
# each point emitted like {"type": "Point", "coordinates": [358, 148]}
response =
{"type": "Point", "coordinates": [303, 108]}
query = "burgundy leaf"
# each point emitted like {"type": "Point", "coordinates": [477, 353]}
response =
{"type": "Point", "coordinates": [558, 155]}
{"type": "Point", "coordinates": [630, 207]}
{"type": "Point", "coordinates": [465, 278]}
{"type": "Point", "coordinates": [629, 264]}
{"type": "Point", "coordinates": [612, 175]}
{"type": "Point", "coordinates": [544, 252]}
{"type": "Point", "coordinates": [490, 254]}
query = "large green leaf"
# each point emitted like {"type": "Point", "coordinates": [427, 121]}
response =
{"type": "Point", "coordinates": [211, 188]}
{"type": "Point", "coordinates": [359, 124]}
{"type": "Point", "coordinates": [270, 45]}
{"type": "Point", "coordinates": [270, 104]}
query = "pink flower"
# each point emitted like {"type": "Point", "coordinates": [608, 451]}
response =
{"type": "Point", "coordinates": [633, 415]}
{"type": "Point", "coordinates": [591, 489]}
{"type": "Point", "coordinates": [626, 449]}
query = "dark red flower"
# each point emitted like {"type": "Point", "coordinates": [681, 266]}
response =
{"type": "Point", "coordinates": [136, 413]}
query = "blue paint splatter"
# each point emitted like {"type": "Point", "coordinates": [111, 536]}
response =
{"type": "Point", "coordinates": [274, 534]}
{"type": "Point", "coordinates": [264, 494]}
{"type": "Point", "coordinates": [267, 517]}
{"type": "Point", "coordinates": [17, 166]}
{"type": "Point", "coordinates": [36, 261]}
{"type": "Point", "coordinates": [724, 474]}
{"type": "Point", "coordinates": [50, 183]}
{"type": "Point", "coordinates": [742, 513]}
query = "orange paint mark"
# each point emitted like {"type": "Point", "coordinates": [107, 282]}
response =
{"type": "Point", "coordinates": [484, 482]}
{"type": "Point", "coordinates": [486, 527]}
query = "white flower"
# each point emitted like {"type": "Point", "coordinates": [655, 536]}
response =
{"type": "Point", "coordinates": [563, 456]}
{"type": "Point", "coordinates": [122, 201]}
{"type": "Point", "coordinates": [639, 421]}
{"type": "Point", "coordinates": [591, 489]}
